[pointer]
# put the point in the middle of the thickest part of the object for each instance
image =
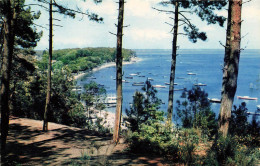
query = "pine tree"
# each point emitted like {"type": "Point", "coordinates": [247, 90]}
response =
{"type": "Point", "coordinates": [119, 65]}
{"type": "Point", "coordinates": [205, 11]}
{"type": "Point", "coordinates": [231, 64]}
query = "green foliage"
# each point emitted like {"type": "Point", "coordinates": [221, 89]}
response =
{"type": "Point", "coordinates": [145, 108]}
{"type": "Point", "coordinates": [228, 151]}
{"type": "Point", "coordinates": [238, 124]}
{"type": "Point", "coordinates": [195, 111]}
{"type": "Point", "coordinates": [188, 140]}
{"type": "Point", "coordinates": [245, 132]}
{"type": "Point", "coordinates": [93, 95]}
{"type": "Point", "coordinates": [29, 98]}
{"type": "Point", "coordinates": [87, 58]}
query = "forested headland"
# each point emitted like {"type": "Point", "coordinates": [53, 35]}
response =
{"type": "Point", "coordinates": [82, 59]}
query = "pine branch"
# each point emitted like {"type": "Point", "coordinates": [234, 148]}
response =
{"type": "Point", "coordinates": [165, 11]}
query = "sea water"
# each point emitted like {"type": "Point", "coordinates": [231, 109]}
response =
{"type": "Point", "coordinates": [207, 64]}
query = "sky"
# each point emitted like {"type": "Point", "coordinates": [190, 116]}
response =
{"type": "Point", "coordinates": [146, 27]}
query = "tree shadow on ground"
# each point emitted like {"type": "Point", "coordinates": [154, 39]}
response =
{"type": "Point", "coordinates": [29, 145]}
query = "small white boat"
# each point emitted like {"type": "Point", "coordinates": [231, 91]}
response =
{"type": "Point", "coordinates": [110, 100]}
{"type": "Point", "coordinates": [191, 73]}
{"type": "Point", "coordinates": [200, 84]}
{"type": "Point", "coordinates": [125, 81]}
{"type": "Point", "coordinates": [167, 83]}
{"type": "Point", "coordinates": [247, 98]}
{"type": "Point", "coordinates": [133, 74]}
{"type": "Point", "coordinates": [159, 86]}
{"type": "Point", "coordinates": [215, 100]}
{"type": "Point", "coordinates": [138, 84]}
{"type": "Point", "coordinates": [258, 106]}
{"type": "Point", "coordinates": [150, 79]}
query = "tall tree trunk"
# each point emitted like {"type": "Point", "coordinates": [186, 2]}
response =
{"type": "Point", "coordinates": [5, 72]}
{"type": "Point", "coordinates": [173, 65]}
{"type": "Point", "coordinates": [1, 42]}
{"type": "Point", "coordinates": [231, 64]}
{"type": "Point", "coordinates": [48, 93]}
{"type": "Point", "coordinates": [119, 66]}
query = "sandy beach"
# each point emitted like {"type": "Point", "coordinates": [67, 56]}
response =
{"type": "Point", "coordinates": [106, 65]}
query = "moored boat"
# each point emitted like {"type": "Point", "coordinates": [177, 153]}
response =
{"type": "Point", "coordinates": [166, 83]}
{"type": "Point", "coordinates": [200, 84]}
{"type": "Point", "coordinates": [138, 84]}
{"type": "Point", "coordinates": [215, 100]}
{"type": "Point", "coordinates": [247, 98]}
{"type": "Point", "coordinates": [191, 73]}
{"type": "Point", "coordinates": [133, 74]}
{"type": "Point", "coordinates": [159, 86]}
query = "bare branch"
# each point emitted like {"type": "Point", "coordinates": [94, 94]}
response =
{"type": "Point", "coordinates": [168, 23]}
{"type": "Point", "coordinates": [246, 1]}
{"type": "Point", "coordinates": [165, 11]}
{"type": "Point", "coordinates": [56, 19]}
{"type": "Point", "coordinates": [57, 25]}
{"type": "Point", "coordinates": [183, 34]}
{"type": "Point", "coordinates": [112, 33]}
{"type": "Point", "coordinates": [222, 44]}
{"type": "Point", "coordinates": [40, 26]}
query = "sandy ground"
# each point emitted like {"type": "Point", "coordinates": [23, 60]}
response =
{"type": "Point", "coordinates": [27, 144]}
{"type": "Point", "coordinates": [106, 65]}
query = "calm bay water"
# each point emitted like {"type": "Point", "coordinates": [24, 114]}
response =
{"type": "Point", "coordinates": [207, 64]}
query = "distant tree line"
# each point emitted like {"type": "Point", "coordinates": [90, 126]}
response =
{"type": "Point", "coordinates": [82, 59]}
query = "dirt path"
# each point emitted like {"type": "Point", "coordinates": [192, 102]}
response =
{"type": "Point", "coordinates": [63, 145]}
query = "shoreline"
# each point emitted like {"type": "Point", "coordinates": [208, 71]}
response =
{"type": "Point", "coordinates": [106, 65]}
{"type": "Point", "coordinates": [107, 116]}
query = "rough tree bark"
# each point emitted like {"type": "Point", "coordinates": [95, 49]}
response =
{"type": "Point", "coordinates": [173, 64]}
{"type": "Point", "coordinates": [48, 93]}
{"type": "Point", "coordinates": [119, 65]}
{"type": "Point", "coordinates": [5, 72]}
{"type": "Point", "coordinates": [231, 64]}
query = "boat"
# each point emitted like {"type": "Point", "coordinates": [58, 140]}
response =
{"type": "Point", "coordinates": [150, 79]}
{"type": "Point", "coordinates": [166, 83]}
{"type": "Point", "coordinates": [138, 84]}
{"type": "Point", "coordinates": [247, 98]}
{"type": "Point", "coordinates": [133, 74]}
{"type": "Point", "coordinates": [258, 107]}
{"type": "Point", "coordinates": [125, 81]}
{"type": "Point", "coordinates": [200, 84]}
{"type": "Point", "coordinates": [110, 101]}
{"type": "Point", "coordinates": [215, 100]}
{"type": "Point", "coordinates": [191, 73]}
{"type": "Point", "coordinates": [159, 86]}
{"type": "Point", "coordinates": [129, 77]}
